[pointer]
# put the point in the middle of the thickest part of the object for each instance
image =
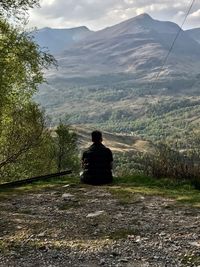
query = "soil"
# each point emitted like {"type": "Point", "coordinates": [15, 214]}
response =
{"type": "Point", "coordinates": [79, 225]}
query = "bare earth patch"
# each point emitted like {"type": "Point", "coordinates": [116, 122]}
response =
{"type": "Point", "coordinates": [79, 225]}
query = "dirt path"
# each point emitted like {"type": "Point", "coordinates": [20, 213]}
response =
{"type": "Point", "coordinates": [91, 226]}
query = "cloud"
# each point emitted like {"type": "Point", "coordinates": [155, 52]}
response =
{"type": "Point", "coordinates": [97, 14]}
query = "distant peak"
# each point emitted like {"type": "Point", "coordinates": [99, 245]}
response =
{"type": "Point", "coordinates": [82, 28]}
{"type": "Point", "coordinates": [144, 16]}
{"type": "Point", "coordinates": [45, 29]}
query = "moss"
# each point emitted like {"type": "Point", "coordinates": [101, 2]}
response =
{"type": "Point", "coordinates": [191, 260]}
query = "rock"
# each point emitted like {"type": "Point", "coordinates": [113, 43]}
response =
{"type": "Point", "coordinates": [138, 239]}
{"type": "Point", "coordinates": [115, 254]}
{"type": "Point", "coordinates": [102, 262]}
{"type": "Point", "coordinates": [54, 254]}
{"type": "Point", "coordinates": [66, 185]}
{"type": "Point", "coordinates": [195, 243]}
{"type": "Point", "coordinates": [131, 237]}
{"type": "Point", "coordinates": [124, 260]}
{"type": "Point", "coordinates": [43, 248]}
{"type": "Point", "coordinates": [67, 196]}
{"type": "Point", "coordinates": [95, 214]}
{"type": "Point", "coordinates": [41, 234]}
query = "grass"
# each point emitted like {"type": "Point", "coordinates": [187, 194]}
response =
{"type": "Point", "coordinates": [126, 189]}
{"type": "Point", "coordinates": [191, 260]}
{"type": "Point", "coordinates": [38, 186]}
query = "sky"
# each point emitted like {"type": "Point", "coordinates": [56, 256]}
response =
{"type": "Point", "coordinates": [98, 14]}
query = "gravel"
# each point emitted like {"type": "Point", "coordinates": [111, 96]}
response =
{"type": "Point", "coordinates": [89, 226]}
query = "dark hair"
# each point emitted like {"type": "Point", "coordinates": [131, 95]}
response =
{"type": "Point", "coordinates": [96, 136]}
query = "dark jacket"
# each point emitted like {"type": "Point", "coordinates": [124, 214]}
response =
{"type": "Point", "coordinates": [97, 164]}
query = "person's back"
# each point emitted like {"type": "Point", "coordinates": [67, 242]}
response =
{"type": "Point", "coordinates": [97, 162]}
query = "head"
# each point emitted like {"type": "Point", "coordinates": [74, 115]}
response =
{"type": "Point", "coordinates": [96, 137]}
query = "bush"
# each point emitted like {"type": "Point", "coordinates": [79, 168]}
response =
{"type": "Point", "coordinates": [172, 164]}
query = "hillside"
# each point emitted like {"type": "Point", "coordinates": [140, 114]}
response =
{"type": "Point", "coordinates": [56, 40]}
{"type": "Point", "coordinates": [131, 47]}
{"type": "Point", "coordinates": [116, 142]}
{"type": "Point", "coordinates": [195, 34]}
{"type": "Point", "coordinates": [108, 80]}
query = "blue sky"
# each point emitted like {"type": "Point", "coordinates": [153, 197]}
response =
{"type": "Point", "coordinates": [98, 14]}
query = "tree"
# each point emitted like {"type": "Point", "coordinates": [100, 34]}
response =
{"type": "Point", "coordinates": [16, 8]}
{"type": "Point", "coordinates": [22, 63]}
{"type": "Point", "coordinates": [66, 149]}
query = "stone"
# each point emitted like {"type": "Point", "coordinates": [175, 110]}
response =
{"type": "Point", "coordinates": [102, 262]}
{"type": "Point", "coordinates": [67, 196]}
{"type": "Point", "coordinates": [95, 214]}
{"type": "Point", "coordinates": [41, 234]}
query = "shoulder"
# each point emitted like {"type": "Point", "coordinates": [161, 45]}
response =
{"type": "Point", "coordinates": [108, 150]}
{"type": "Point", "coordinates": [86, 151]}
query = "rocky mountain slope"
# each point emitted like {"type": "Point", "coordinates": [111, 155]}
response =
{"type": "Point", "coordinates": [109, 79]}
{"type": "Point", "coordinates": [134, 47]}
{"type": "Point", "coordinates": [195, 34]}
{"type": "Point", "coordinates": [56, 40]}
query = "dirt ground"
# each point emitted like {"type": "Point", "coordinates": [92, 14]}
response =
{"type": "Point", "coordinates": [78, 225]}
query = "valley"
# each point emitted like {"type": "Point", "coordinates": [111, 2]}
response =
{"type": "Point", "coordinates": [109, 79]}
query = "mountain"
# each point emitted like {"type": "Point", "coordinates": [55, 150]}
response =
{"type": "Point", "coordinates": [110, 79]}
{"type": "Point", "coordinates": [136, 47]}
{"type": "Point", "coordinates": [195, 34]}
{"type": "Point", "coordinates": [57, 40]}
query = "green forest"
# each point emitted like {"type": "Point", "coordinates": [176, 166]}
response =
{"type": "Point", "coordinates": [27, 146]}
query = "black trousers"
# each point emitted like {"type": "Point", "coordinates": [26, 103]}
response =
{"type": "Point", "coordinates": [96, 178]}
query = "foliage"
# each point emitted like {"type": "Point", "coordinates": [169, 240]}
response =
{"type": "Point", "coordinates": [16, 8]}
{"type": "Point", "coordinates": [22, 65]}
{"type": "Point", "coordinates": [118, 108]}
{"type": "Point", "coordinates": [26, 146]}
{"type": "Point", "coordinates": [66, 148]}
{"type": "Point", "coordinates": [164, 162]}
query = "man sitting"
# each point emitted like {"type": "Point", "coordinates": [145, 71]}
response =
{"type": "Point", "coordinates": [97, 162]}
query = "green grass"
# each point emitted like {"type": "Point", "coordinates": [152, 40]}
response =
{"type": "Point", "coordinates": [127, 188]}
{"type": "Point", "coordinates": [191, 260]}
{"type": "Point", "coordinates": [50, 184]}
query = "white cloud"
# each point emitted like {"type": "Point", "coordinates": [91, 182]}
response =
{"type": "Point", "coordinates": [97, 14]}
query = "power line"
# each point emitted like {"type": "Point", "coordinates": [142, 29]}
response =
{"type": "Point", "coordinates": [172, 46]}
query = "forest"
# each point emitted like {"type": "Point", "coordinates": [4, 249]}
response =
{"type": "Point", "coordinates": [27, 146]}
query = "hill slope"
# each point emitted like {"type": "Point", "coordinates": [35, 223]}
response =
{"type": "Point", "coordinates": [107, 79]}
{"type": "Point", "coordinates": [136, 47]}
{"type": "Point", "coordinates": [116, 142]}
{"type": "Point", "coordinates": [195, 34]}
{"type": "Point", "coordinates": [57, 40]}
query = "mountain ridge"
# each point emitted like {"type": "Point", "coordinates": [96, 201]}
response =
{"type": "Point", "coordinates": [55, 40]}
{"type": "Point", "coordinates": [132, 45]}
{"type": "Point", "coordinates": [108, 76]}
